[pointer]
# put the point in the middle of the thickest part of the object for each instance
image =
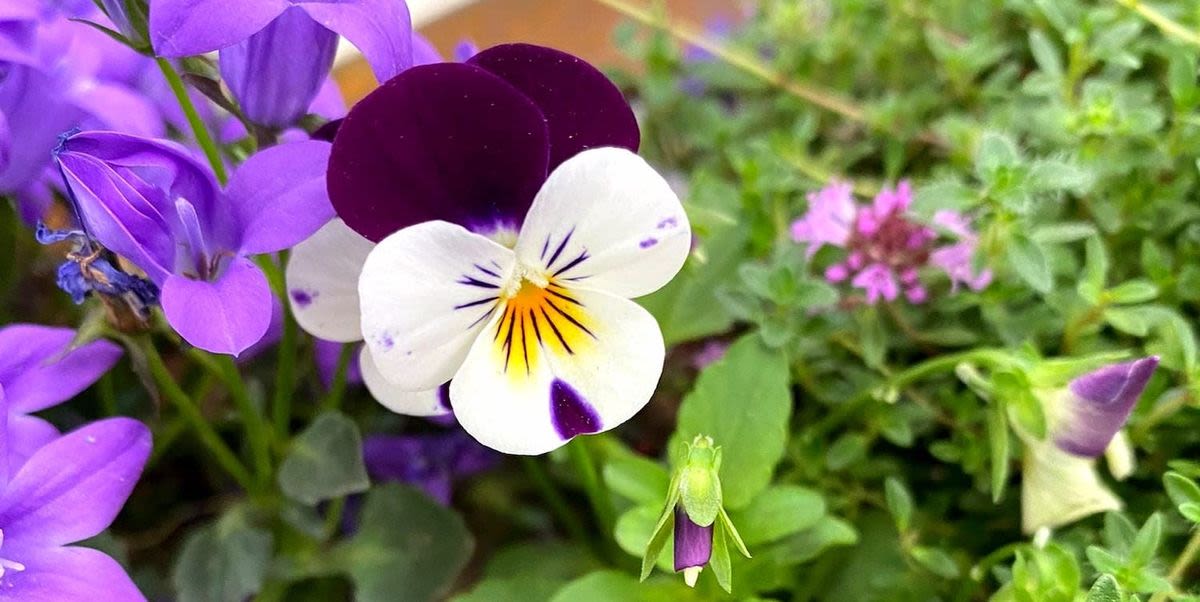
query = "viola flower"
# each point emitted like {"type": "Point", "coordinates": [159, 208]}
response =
{"type": "Point", "coordinates": [515, 225]}
{"type": "Point", "coordinates": [432, 462]}
{"type": "Point", "coordinates": [1060, 484]}
{"type": "Point", "coordinates": [40, 368]}
{"type": "Point", "coordinates": [886, 248]}
{"type": "Point", "coordinates": [68, 491]}
{"type": "Point", "coordinates": [258, 40]}
{"type": "Point", "coordinates": [151, 202]}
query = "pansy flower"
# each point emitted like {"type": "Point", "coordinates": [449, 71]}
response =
{"type": "Point", "coordinates": [68, 491]}
{"type": "Point", "coordinates": [514, 223]}
{"type": "Point", "coordinates": [40, 368]}
{"type": "Point", "coordinates": [1059, 480]}
{"type": "Point", "coordinates": [151, 202]}
{"type": "Point", "coordinates": [258, 41]}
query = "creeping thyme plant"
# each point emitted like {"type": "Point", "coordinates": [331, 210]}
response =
{"type": "Point", "coordinates": [818, 301]}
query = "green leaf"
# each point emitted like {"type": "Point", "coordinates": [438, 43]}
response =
{"type": "Point", "coordinates": [811, 543]}
{"type": "Point", "coordinates": [944, 195]}
{"type": "Point", "coordinates": [628, 531]}
{"type": "Point", "coordinates": [227, 560]}
{"type": "Point", "coordinates": [846, 450]}
{"type": "Point", "coordinates": [719, 561]}
{"type": "Point", "coordinates": [1132, 291]}
{"type": "Point", "coordinates": [779, 511]}
{"type": "Point", "coordinates": [1141, 553]}
{"type": "Point", "coordinates": [1095, 271]}
{"type": "Point", "coordinates": [872, 336]}
{"type": "Point", "coordinates": [1045, 54]}
{"type": "Point", "coordinates": [1190, 511]}
{"type": "Point", "coordinates": [732, 533]}
{"type": "Point", "coordinates": [1024, 408]}
{"type": "Point", "coordinates": [606, 586]}
{"type": "Point", "coordinates": [1029, 261]}
{"type": "Point", "coordinates": [530, 572]}
{"type": "Point", "coordinates": [994, 151]}
{"type": "Point", "coordinates": [998, 445]}
{"type": "Point", "coordinates": [743, 402]}
{"type": "Point", "coordinates": [936, 560]}
{"type": "Point", "coordinates": [687, 307]}
{"type": "Point", "coordinates": [639, 479]}
{"type": "Point", "coordinates": [406, 543]}
{"type": "Point", "coordinates": [899, 503]}
{"type": "Point", "coordinates": [325, 461]}
{"type": "Point", "coordinates": [1181, 489]}
{"type": "Point", "coordinates": [1105, 590]}
{"type": "Point", "coordinates": [1130, 320]}
{"type": "Point", "coordinates": [1064, 232]}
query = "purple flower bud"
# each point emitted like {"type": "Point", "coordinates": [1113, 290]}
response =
{"type": "Point", "coordinates": [693, 546]}
{"type": "Point", "coordinates": [272, 81]}
{"type": "Point", "coordinates": [1097, 405]}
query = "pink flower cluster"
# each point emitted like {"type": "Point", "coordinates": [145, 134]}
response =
{"type": "Point", "coordinates": [886, 247]}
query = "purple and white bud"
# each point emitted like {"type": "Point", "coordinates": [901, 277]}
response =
{"type": "Point", "coordinates": [693, 547]}
{"type": "Point", "coordinates": [1096, 406]}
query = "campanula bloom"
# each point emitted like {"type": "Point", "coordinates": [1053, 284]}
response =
{"type": "Point", "coordinates": [68, 491]}
{"type": "Point", "coordinates": [431, 461]}
{"type": "Point", "coordinates": [885, 247]}
{"type": "Point", "coordinates": [40, 368]}
{"type": "Point", "coordinates": [1060, 484]}
{"type": "Point", "coordinates": [151, 202]}
{"type": "Point", "coordinates": [275, 54]}
{"type": "Point", "coordinates": [514, 225]}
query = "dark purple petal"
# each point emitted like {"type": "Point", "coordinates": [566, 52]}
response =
{"type": "Point", "coordinates": [380, 29]}
{"type": "Point", "coordinates": [1099, 404]}
{"type": "Point", "coordinates": [693, 543]}
{"type": "Point", "coordinates": [189, 27]}
{"type": "Point", "coordinates": [227, 315]}
{"type": "Point", "coordinates": [572, 414]}
{"type": "Point", "coordinates": [438, 142]}
{"type": "Point", "coordinates": [431, 462]}
{"type": "Point", "coordinates": [72, 489]}
{"type": "Point", "coordinates": [54, 574]}
{"type": "Point", "coordinates": [37, 369]}
{"type": "Point", "coordinates": [279, 196]}
{"type": "Point", "coordinates": [583, 108]}
{"type": "Point", "coordinates": [276, 73]}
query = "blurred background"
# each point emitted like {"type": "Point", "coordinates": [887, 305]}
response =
{"type": "Point", "coordinates": [582, 27]}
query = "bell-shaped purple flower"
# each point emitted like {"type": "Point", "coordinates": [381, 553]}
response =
{"type": "Point", "coordinates": [39, 369]}
{"type": "Point", "coordinates": [1097, 405]}
{"type": "Point", "coordinates": [693, 546]}
{"type": "Point", "coordinates": [153, 203]}
{"type": "Point", "coordinates": [276, 73]}
{"type": "Point", "coordinates": [68, 491]}
{"type": "Point", "coordinates": [380, 29]}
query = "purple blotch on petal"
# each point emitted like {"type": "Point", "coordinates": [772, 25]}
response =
{"type": "Point", "coordinates": [583, 108]}
{"type": "Point", "coordinates": [1100, 404]}
{"type": "Point", "coordinates": [303, 298]}
{"type": "Point", "coordinates": [649, 242]}
{"type": "Point", "coordinates": [444, 396]}
{"type": "Point", "coordinates": [438, 142]}
{"type": "Point", "coordinates": [572, 414]}
{"type": "Point", "coordinates": [693, 543]}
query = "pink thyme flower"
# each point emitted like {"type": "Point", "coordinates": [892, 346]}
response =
{"type": "Point", "coordinates": [886, 247]}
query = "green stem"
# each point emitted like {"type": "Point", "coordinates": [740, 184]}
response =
{"type": "Point", "coordinates": [203, 138]}
{"type": "Point", "coordinates": [558, 505]}
{"type": "Point", "coordinates": [597, 493]}
{"type": "Point", "coordinates": [257, 430]}
{"type": "Point", "coordinates": [1181, 565]}
{"type": "Point", "coordinates": [337, 390]}
{"type": "Point", "coordinates": [333, 517]}
{"type": "Point", "coordinates": [1161, 21]}
{"type": "Point", "coordinates": [191, 413]}
{"type": "Point", "coordinates": [285, 377]}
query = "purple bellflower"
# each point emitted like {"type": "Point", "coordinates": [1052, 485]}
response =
{"type": "Point", "coordinates": [432, 462]}
{"type": "Point", "coordinates": [69, 490]}
{"type": "Point", "coordinates": [1060, 484]}
{"type": "Point", "coordinates": [526, 301]}
{"type": "Point", "coordinates": [40, 369]}
{"type": "Point", "coordinates": [151, 202]}
{"type": "Point", "coordinates": [886, 247]}
{"type": "Point", "coordinates": [275, 54]}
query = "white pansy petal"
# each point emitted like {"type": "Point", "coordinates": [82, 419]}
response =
{"type": "Point", "coordinates": [430, 402]}
{"type": "Point", "coordinates": [605, 220]}
{"type": "Point", "coordinates": [426, 292]}
{"type": "Point", "coordinates": [322, 282]}
{"type": "Point", "coordinates": [1058, 488]}
{"type": "Point", "coordinates": [554, 363]}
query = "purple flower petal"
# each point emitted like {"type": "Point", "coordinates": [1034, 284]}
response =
{"type": "Point", "coordinates": [227, 315]}
{"type": "Point", "coordinates": [57, 574]}
{"type": "Point", "coordinates": [37, 112]}
{"type": "Point", "coordinates": [431, 462]}
{"type": "Point", "coordinates": [583, 108]}
{"type": "Point", "coordinates": [1099, 404]}
{"type": "Point", "coordinates": [439, 142]}
{"type": "Point", "coordinates": [279, 196]}
{"type": "Point", "coordinates": [37, 371]}
{"type": "Point", "coordinates": [120, 108]}
{"type": "Point", "coordinates": [72, 489]}
{"type": "Point", "coordinates": [424, 52]}
{"type": "Point", "coordinates": [26, 435]}
{"type": "Point", "coordinates": [380, 29]}
{"type": "Point", "coordinates": [272, 81]}
{"type": "Point", "coordinates": [327, 355]}
{"type": "Point", "coordinates": [693, 543]}
{"type": "Point", "coordinates": [189, 27]}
